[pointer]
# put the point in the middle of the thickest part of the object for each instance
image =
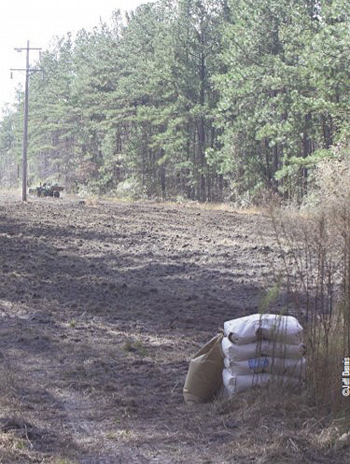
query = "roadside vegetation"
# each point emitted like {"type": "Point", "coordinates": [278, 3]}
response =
{"type": "Point", "coordinates": [315, 248]}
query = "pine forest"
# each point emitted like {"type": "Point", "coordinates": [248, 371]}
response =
{"type": "Point", "coordinates": [208, 100]}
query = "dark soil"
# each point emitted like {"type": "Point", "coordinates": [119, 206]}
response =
{"type": "Point", "coordinates": [101, 307]}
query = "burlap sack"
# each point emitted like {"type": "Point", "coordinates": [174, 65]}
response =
{"type": "Point", "coordinates": [204, 377]}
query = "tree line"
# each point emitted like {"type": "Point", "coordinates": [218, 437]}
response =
{"type": "Point", "coordinates": [200, 99]}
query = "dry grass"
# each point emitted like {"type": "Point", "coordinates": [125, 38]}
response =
{"type": "Point", "coordinates": [207, 206]}
{"type": "Point", "coordinates": [14, 450]}
{"type": "Point", "coordinates": [280, 427]}
{"type": "Point", "coordinates": [93, 200]}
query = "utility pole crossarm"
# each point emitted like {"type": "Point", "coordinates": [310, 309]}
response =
{"type": "Point", "coordinates": [24, 69]}
{"type": "Point", "coordinates": [19, 49]}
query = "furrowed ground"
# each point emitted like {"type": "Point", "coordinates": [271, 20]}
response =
{"type": "Point", "coordinates": [102, 305]}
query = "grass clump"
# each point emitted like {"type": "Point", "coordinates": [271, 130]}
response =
{"type": "Point", "coordinates": [135, 346]}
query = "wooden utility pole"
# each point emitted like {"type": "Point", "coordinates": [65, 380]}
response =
{"type": "Point", "coordinates": [25, 122]}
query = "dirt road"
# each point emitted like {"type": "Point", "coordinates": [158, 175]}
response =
{"type": "Point", "coordinates": [101, 307]}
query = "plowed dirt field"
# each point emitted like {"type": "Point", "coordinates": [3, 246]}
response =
{"type": "Point", "coordinates": [102, 304]}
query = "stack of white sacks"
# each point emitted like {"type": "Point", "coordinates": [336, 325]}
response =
{"type": "Point", "coordinates": [260, 348]}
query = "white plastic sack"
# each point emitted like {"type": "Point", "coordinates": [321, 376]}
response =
{"type": "Point", "coordinates": [265, 364]}
{"type": "Point", "coordinates": [261, 348]}
{"type": "Point", "coordinates": [238, 383]}
{"type": "Point", "coordinates": [249, 329]}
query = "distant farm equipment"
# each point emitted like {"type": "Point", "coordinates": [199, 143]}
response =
{"type": "Point", "coordinates": [47, 190]}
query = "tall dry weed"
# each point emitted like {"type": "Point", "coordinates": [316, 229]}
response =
{"type": "Point", "coordinates": [315, 252]}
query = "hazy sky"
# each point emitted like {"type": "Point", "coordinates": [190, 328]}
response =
{"type": "Point", "coordinates": [38, 21]}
